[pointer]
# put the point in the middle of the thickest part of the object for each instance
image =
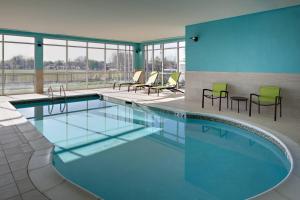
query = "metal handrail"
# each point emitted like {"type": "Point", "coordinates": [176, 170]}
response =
{"type": "Point", "coordinates": [62, 109]}
{"type": "Point", "coordinates": [62, 89]}
{"type": "Point", "coordinates": [50, 90]}
{"type": "Point", "coordinates": [50, 110]}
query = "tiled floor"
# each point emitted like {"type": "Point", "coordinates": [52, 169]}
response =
{"type": "Point", "coordinates": [19, 177]}
{"type": "Point", "coordinates": [15, 153]}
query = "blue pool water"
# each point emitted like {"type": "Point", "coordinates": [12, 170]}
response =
{"type": "Point", "coordinates": [124, 152]}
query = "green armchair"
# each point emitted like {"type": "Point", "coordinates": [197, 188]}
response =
{"type": "Point", "coordinates": [218, 91]}
{"type": "Point", "coordinates": [268, 96]}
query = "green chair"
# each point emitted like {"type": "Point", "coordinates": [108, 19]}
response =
{"type": "Point", "coordinates": [268, 96]}
{"type": "Point", "coordinates": [171, 84]}
{"type": "Point", "coordinates": [150, 82]}
{"type": "Point", "coordinates": [135, 80]}
{"type": "Point", "coordinates": [218, 91]}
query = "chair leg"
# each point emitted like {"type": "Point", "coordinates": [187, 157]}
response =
{"type": "Point", "coordinates": [128, 88]}
{"type": "Point", "coordinates": [227, 101]}
{"type": "Point", "coordinates": [135, 89]}
{"type": "Point", "coordinates": [120, 86]}
{"type": "Point", "coordinates": [280, 112]}
{"type": "Point", "coordinates": [157, 92]}
{"type": "Point", "coordinates": [220, 102]}
{"type": "Point", "coordinates": [114, 86]}
{"type": "Point", "coordinates": [148, 90]}
{"type": "Point", "coordinates": [275, 113]}
{"type": "Point", "coordinates": [212, 101]}
{"type": "Point", "coordinates": [258, 107]}
{"type": "Point", "coordinates": [203, 99]}
{"type": "Point", "coordinates": [250, 106]}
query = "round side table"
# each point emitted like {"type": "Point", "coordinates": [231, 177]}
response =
{"type": "Point", "coordinates": [238, 99]}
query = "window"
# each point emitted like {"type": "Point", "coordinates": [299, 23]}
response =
{"type": "Point", "coordinates": [165, 58]}
{"type": "Point", "coordinates": [129, 57]}
{"type": "Point", "coordinates": [54, 66]}
{"type": "Point", "coordinates": [77, 68]}
{"type": "Point", "coordinates": [96, 73]}
{"type": "Point", "coordinates": [111, 46]}
{"type": "Point", "coordinates": [79, 65]}
{"type": "Point", "coordinates": [170, 45]}
{"type": "Point", "coordinates": [17, 69]}
{"type": "Point", "coordinates": [112, 65]}
{"type": "Point", "coordinates": [122, 63]}
{"type": "Point", "coordinates": [182, 65]}
{"type": "Point", "coordinates": [157, 59]}
{"type": "Point", "coordinates": [77, 44]}
{"type": "Point", "coordinates": [55, 42]}
{"type": "Point", "coordinates": [122, 47]}
{"type": "Point", "coordinates": [149, 66]}
{"type": "Point", "coordinates": [96, 45]}
{"type": "Point", "coordinates": [1, 66]}
{"type": "Point", "coordinates": [170, 63]}
{"type": "Point", "coordinates": [18, 39]}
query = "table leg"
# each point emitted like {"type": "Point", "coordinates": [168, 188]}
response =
{"type": "Point", "coordinates": [238, 106]}
{"type": "Point", "coordinates": [246, 104]}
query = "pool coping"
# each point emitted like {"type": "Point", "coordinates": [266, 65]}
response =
{"type": "Point", "coordinates": [42, 157]}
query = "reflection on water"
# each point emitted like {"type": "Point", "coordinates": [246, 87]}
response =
{"type": "Point", "coordinates": [118, 151]}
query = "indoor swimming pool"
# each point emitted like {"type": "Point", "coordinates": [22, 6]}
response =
{"type": "Point", "coordinates": [118, 150]}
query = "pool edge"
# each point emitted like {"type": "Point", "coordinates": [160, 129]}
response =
{"type": "Point", "coordinates": [246, 123]}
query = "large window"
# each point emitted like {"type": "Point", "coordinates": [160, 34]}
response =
{"type": "Point", "coordinates": [54, 63]}
{"type": "Point", "coordinates": [170, 63]}
{"type": "Point", "coordinates": [1, 66]}
{"type": "Point", "coordinates": [96, 63]}
{"type": "Point", "coordinates": [165, 58]}
{"type": "Point", "coordinates": [112, 65]}
{"type": "Point", "coordinates": [79, 65]}
{"type": "Point", "coordinates": [17, 64]}
{"type": "Point", "coordinates": [181, 64]}
{"type": "Point", "coordinates": [149, 65]}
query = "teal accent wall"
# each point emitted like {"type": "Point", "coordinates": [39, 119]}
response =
{"type": "Point", "coordinates": [39, 38]}
{"type": "Point", "coordinates": [261, 42]}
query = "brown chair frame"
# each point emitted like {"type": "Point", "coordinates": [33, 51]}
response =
{"type": "Point", "coordinates": [278, 101]}
{"type": "Point", "coordinates": [213, 98]}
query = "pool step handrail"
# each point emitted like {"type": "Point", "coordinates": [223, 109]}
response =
{"type": "Point", "coordinates": [50, 90]}
{"type": "Point", "coordinates": [62, 91]}
{"type": "Point", "coordinates": [62, 108]}
{"type": "Point", "coordinates": [50, 109]}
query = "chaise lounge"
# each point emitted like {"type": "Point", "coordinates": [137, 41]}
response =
{"type": "Point", "coordinates": [150, 82]}
{"type": "Point", "coordinates": [135, 80]}
{"type": "Point", "coordinates": [171, 84]}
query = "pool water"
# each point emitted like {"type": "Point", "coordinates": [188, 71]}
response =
{"type": "Point", "coordinates": [120, 151]}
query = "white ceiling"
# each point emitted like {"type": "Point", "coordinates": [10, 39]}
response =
{"type": "Point", "coordinates": [129, 20]}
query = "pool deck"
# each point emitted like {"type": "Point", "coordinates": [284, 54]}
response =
{"type": "Point", "coordinates": [26, 171]}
